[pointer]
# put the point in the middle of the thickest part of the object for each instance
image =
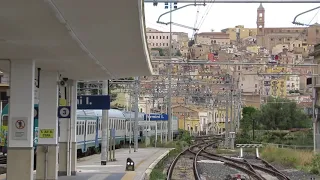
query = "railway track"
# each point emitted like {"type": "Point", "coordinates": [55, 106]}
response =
{"type": "Point", "coordinates": [260, 169]}
{"type": "Point", "coordinates": [256, 169]}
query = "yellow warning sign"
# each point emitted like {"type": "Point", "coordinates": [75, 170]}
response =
{"type": "Point", "coordinates": [46, 133]}
{"type": "Point", "coordinates": [62, 102]}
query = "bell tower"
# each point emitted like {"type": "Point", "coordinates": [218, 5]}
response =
{"type": "Point", "coordinates": [260, 25]}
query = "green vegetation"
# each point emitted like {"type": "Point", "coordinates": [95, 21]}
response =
{"type": "Point", "coordinates": [161, 53]}
{"type": "Point", "coordinates": [301, 159]}
{"type": "Point", "coordinates": [184, 140]}
{"type": "Point", "coordinates": [178, 53]}
{"type": "Point", "coordinates": [272, 122]}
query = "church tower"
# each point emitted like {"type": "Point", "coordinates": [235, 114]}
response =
{"type": "Point", "coordinates": [260, 25]}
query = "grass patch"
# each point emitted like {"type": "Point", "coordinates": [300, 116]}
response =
{"type": "Point", "coordinates": [300, 159]}
{"type": "Point", "coordinates": [158, 171]}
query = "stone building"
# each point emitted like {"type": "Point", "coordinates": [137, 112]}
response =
{"type": "Point", "coordinates": [270, 37]}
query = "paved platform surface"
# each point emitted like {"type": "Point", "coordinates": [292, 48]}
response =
{"type": "Point", "coordinates": [89, 168]}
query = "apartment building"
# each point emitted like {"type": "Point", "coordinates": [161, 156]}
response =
{"type": "Point", "coordinates": [160, 39]}
{"type": "Point", "coordinates": [210, 38]}
{"type": "Point", "coordinates": [243, 32]}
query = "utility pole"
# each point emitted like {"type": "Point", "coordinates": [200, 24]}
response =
{"type": "Point", "coordinates": [226, 121]}
{"type": "Point", "coordinates": [169, 78]}
{"type": "Point", "coordinates": [239, 110]}
{"type": "Point", "coordinates": [105, 127]}
{"type": "Point", "coordinates": [130, 122]}
{"type": "Point", "coordinates": [136, 111]}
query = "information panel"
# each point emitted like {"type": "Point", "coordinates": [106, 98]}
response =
{"type": "Point", "coordinates": [46, 133]}
{"type": "Point", "coordinates": [20, 128]}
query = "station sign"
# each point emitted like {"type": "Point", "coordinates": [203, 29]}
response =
{"type": "Point", "coordinates": [98, 102]}
{"type": "Point", "coordinates": [156, 117]}
{"type": "Point", "coordinates": [147, 123]}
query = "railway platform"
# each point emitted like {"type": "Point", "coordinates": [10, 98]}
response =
{"type": "Point", "coordinates": [89, 168]}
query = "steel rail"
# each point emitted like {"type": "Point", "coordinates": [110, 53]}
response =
{"type": "Point", "coordinates": [269, 171]}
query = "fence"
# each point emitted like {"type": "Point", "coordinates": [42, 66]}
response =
{"type": "Point", "coordinates": [289, 146]}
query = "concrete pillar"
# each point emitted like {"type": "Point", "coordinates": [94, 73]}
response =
{"type": "Point", "coordinates": [67, 141]}
{"type": "Point", "coordinates": [21, 116]}
{"type": "Point", "coordinates": [47, 149]}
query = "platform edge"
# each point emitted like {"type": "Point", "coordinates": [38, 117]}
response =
{"type": "Point", "coordinates": [147, 173]}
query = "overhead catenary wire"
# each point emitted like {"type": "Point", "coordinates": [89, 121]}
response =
{"type": "Point", "coordinates": [203, 18]}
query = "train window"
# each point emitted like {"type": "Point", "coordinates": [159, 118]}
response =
{"type": "Point", "coordinates": [122, 124]}
{"type": "Point", "coordinates": [77, 131]}
{"type": "Point", "coordinates": [5, 120]}
{"type": "Point", "coordinates": [82, 128]}
{"type": "Point", "coordinates": [88, 126]}
{"type": "Point", "coordinates": [118, 124]}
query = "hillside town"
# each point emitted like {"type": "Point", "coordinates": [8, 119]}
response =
{"type": "Point", "coordinates": [279, 60]}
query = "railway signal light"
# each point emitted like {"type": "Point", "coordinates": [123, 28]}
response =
{"type": "Point", "coordinates": [166, 5]}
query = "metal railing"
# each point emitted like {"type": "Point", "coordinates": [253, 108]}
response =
{"type": "Point", "coordinates": [290, 146]}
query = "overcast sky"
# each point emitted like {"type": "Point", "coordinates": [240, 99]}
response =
{"type": "Point", "coordinates": [223, 16]}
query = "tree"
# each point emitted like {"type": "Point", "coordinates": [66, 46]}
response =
{"type": "Point", "coordinates": [161, 53]}
{"type": "Point", "coordinates": [248, 113]}
{"type": "Point", "coordinates": [178, 53]}
{"type": "Point", "coordinates": [282, 114]}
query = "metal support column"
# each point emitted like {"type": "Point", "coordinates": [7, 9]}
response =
{"type": "Point", "coordinates": [169, 79]}
{"type": "Point", "coordinates": [136, 111]}
{"type": "Point", "coordinates": [226, 121]}
{"type": "Point", "coordinates": [104, 127]}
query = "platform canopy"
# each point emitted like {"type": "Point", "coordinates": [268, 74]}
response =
{"type": "Point", "coordinates": [82, 39]}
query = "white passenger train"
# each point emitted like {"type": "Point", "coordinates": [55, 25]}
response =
{"type": "Point", "coordinates": [89, 128]}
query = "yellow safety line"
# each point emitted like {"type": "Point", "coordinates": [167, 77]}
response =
{"type": "Point", "coordinates": [131, 174]}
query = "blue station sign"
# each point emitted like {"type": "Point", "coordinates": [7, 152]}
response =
{"type": "Point", "coordinates": [96, 102]}
{"type": "Point", "coordinates": [160, 117]}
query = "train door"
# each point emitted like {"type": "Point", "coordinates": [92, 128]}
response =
{"type": "Point", "coordinates": [97, 125]}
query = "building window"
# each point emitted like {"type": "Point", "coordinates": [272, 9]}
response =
{"type": "Point", "coordinates": [152, 37]}
{"type": "Point", "coordinates": [156, 37]}
{"type": "Point", "coordinates": [167, 37]}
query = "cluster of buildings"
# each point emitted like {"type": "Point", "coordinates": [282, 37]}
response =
{"type": "Point", "coordinates": [269, 62]}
